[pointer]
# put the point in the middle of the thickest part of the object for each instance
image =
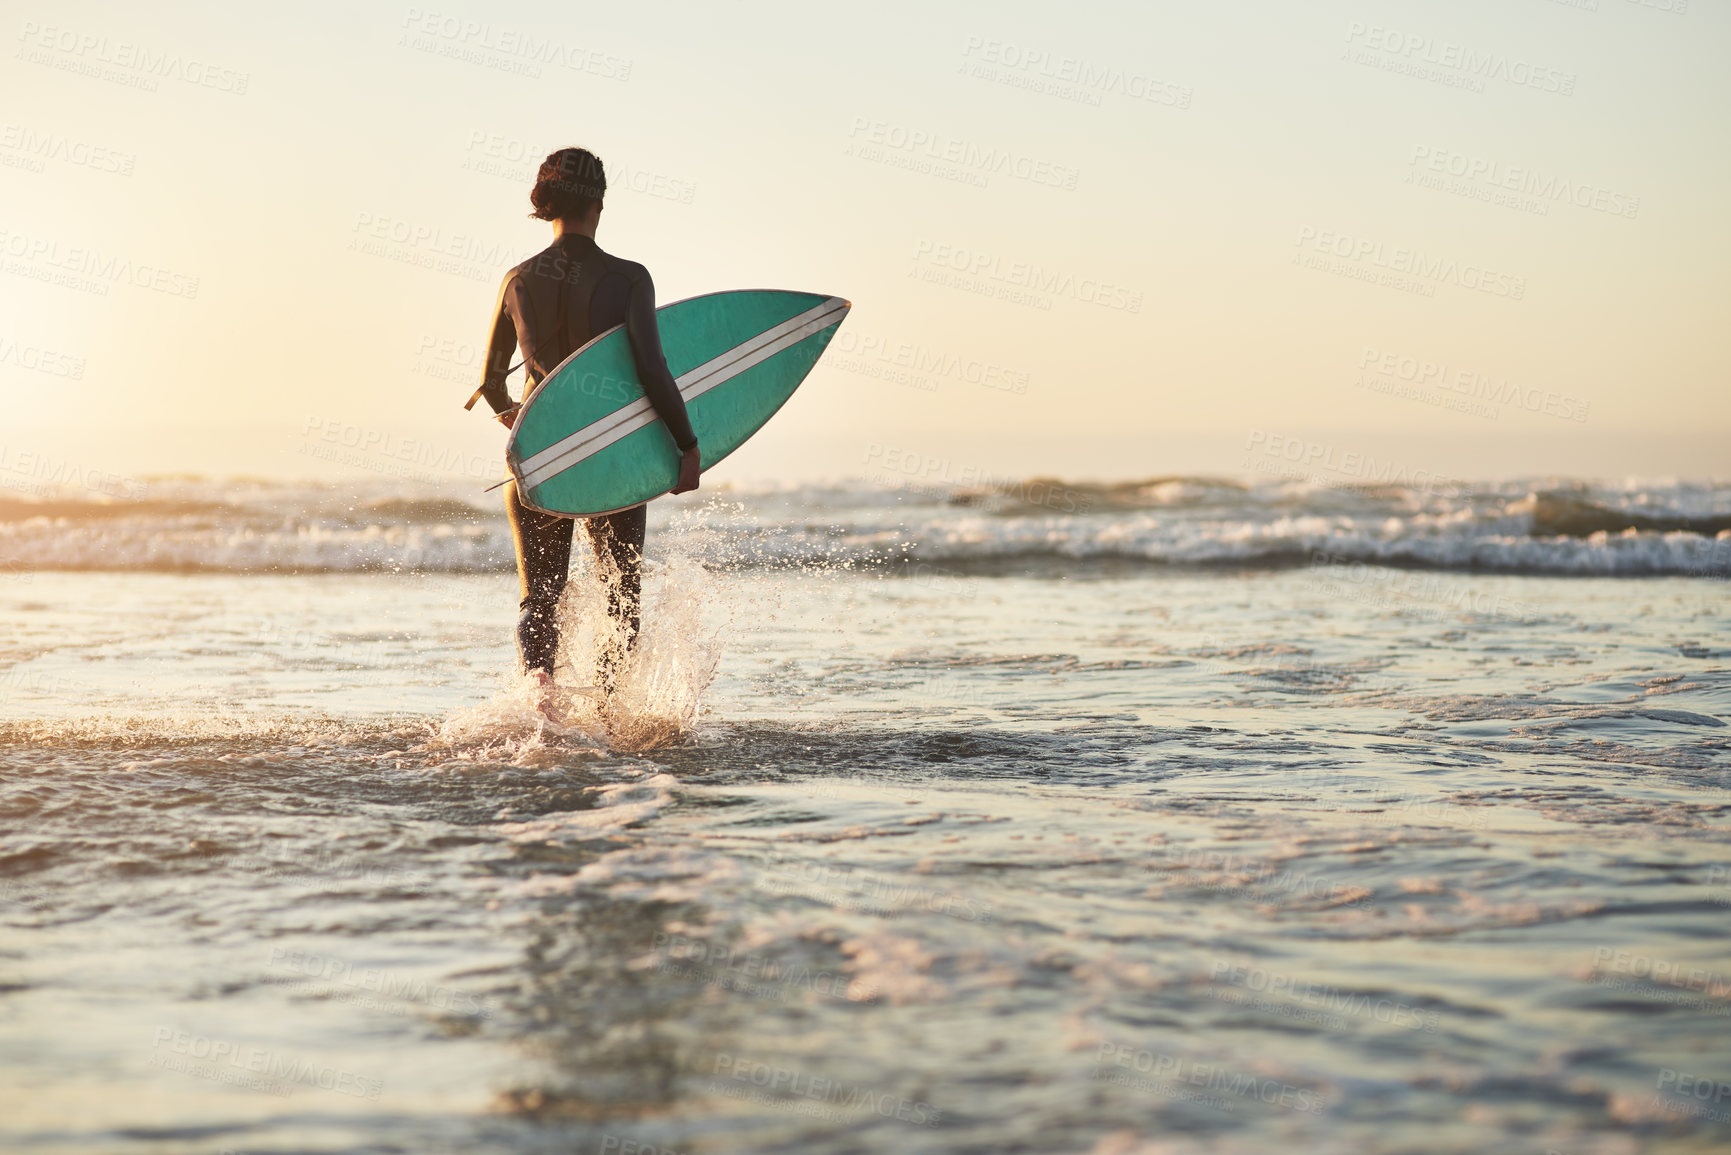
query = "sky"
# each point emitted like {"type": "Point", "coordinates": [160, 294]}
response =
{"type": "Point", "coordinates": [1484, 238]}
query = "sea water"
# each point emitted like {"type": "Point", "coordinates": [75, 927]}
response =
{"type": "Point", "coordinates": [1181, 816]}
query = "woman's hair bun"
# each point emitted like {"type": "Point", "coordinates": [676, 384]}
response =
{"type": "Point", "coordinates": [570, 180]}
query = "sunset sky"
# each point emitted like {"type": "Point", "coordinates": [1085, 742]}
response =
{"type": "Point", "coordinates": [1102, 240]}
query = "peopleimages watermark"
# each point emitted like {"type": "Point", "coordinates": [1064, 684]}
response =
{"type": "Point", "coordinates": [326, 869]}
{"type": "Point", "coordinates": [1244, 873]}
{"type": "Point", "coordinates": [430, 247]}
{"type": "Point", "coordinates": [1020, 282]}
{"type": "Point", "coordinates": [373, 988]}
{"type": "Point", "coordinates": [504, 48]}
{"type": "Point", "coordinates": [1373, 802]}
{"type": "Point", "coordinates": [121, 61]}
{"type": "Point", "coordinates": [957, 690]}
{"type": "Point", "coordinates": [253, 1068]}
{"type": "Point", "coordinates": [385, 451]}
{"type": "Point", "coordinates": [917, 365]}
{"type": "Point", "coordinates": [1287, 993]}
{"type": "Point", "coordinates": [39, 359]}
{"type": "Point", "coordinates": [933, 153]}
{"type": "Point", "coordinates": [1712, 561]}
{"type": "Point", "coordinates": [1719, 874]}
{"type": "Point", "coordinates": [1210, 658]}
{"type": "Point", "coordinates": [27, 148]}
{"type": "Point", "coordinates": [32, 471]}
{"type": "Point", "coordinates": [1391, 371]}
{"type": "Point", "coordinates": [88, 270]}
{"type": "Point", "coordinates": [1065, 77]}
{"type": "Point", "coordinates": [899, 467]}
{"type": "Point", "coordinates": [1687, 985]}
{"type": "Point", "coordinates": [812, 1095]}
{"type": "Point", "coordinates": [929, 576]}
{"type": "Point", "coordinates": [38, 683]}
{"type": "Point", "coordinates": [1177, 1077]}
{"type": "Point", "coordinates": [516, 160]}
{"type": "Point", "coordinates": [1398, 267]}
{"type": "Point", "coordinates": [369, 664]}
{"type": "Point", "coordinates": [864, 890]}
{"type": "Point", "coordinates": [448, 359]}
{"type": "Point", "coordinates": [621, 1145]}
{"type": "Point", "coordinates": [1448, 63]}
{"type": "Point", "coordinates": [752, 973]}
{"type": "Point", "coordinates": [1324, 463]}
{"type": "Point", "coordinates": [20, 893]}
{"type": "Point", "coordinates": [1421, 592]}
{"type": "Point", "coordinates": [1516, 186]}
{"type": "Point", "coordinates": [1681, 1093]}
{"type": "Point", "coordinates": [1408, 392]}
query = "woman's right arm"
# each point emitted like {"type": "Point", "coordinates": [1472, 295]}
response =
{"type": "Point", "coordinates": [500, 346]}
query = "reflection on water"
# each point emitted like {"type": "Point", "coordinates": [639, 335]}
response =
{"type": "Point", "coordinates": [1175, 863]}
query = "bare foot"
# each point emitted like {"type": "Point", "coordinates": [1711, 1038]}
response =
{"type": "Point", "coordinates": [541, 683]}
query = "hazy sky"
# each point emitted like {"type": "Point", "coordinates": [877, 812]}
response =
{"type": "Point", "coordinates": [1103, 240]}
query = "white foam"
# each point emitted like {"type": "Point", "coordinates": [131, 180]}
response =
{"type": "Point", "coordinates": [1183, 522]}
{"type": "Point", "coordinates": [618, 806]}
{"type": "Point", "coordinates": [511, 727]}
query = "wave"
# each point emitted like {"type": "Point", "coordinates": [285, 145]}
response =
{"type": "Point", "coordinates": [1041, 525]}
{"type": "Point", "coordinates": [1564, 515]}
{"type": "Point", "coordinates": [76, 510]}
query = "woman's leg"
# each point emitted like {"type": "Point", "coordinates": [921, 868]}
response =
{"type": "Point", "coordinates": [543, 562]}
{"type": "Point", "coordinates": [617, 540]}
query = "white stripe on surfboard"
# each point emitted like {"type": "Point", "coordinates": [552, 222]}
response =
{"type": "Point", "coordinates": [598, 435]}
{"type": "Point", "coordinates": [639, 414]}
{"type": "Point", "coordinates": [626, 420]}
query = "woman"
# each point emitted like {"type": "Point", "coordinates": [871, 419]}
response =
{"type": "Point", "coordinates": [549, 306]}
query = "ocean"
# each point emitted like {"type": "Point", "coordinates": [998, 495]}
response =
{"type": "Point", "coordinates": [1182, 815]}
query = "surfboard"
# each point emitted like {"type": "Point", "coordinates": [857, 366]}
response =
{"type": "Point", "coordinates": [588, 442]}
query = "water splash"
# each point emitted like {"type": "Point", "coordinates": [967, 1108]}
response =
{"type": "Point", "coordinates": [657, 683]}
{"type": "Point", "coordinates": [660, 690]}
{"type": "Point", "coordinates": [520, 724]}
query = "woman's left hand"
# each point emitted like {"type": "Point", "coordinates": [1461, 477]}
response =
{"type": "Point", "coordinates": [689, 466]}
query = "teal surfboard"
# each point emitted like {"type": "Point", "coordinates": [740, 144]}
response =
{"type": "Point", "coordinates": [588, 442]}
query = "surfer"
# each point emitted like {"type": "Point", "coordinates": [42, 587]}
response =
{"type": "Point", "coordinates": [549, 306]}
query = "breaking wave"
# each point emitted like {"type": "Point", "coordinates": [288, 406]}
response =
{"type": "Point", "coordinates": [1039, 525]}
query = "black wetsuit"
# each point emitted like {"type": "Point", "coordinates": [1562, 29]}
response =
{"type": "Point", "coordinates": [550, 305]}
